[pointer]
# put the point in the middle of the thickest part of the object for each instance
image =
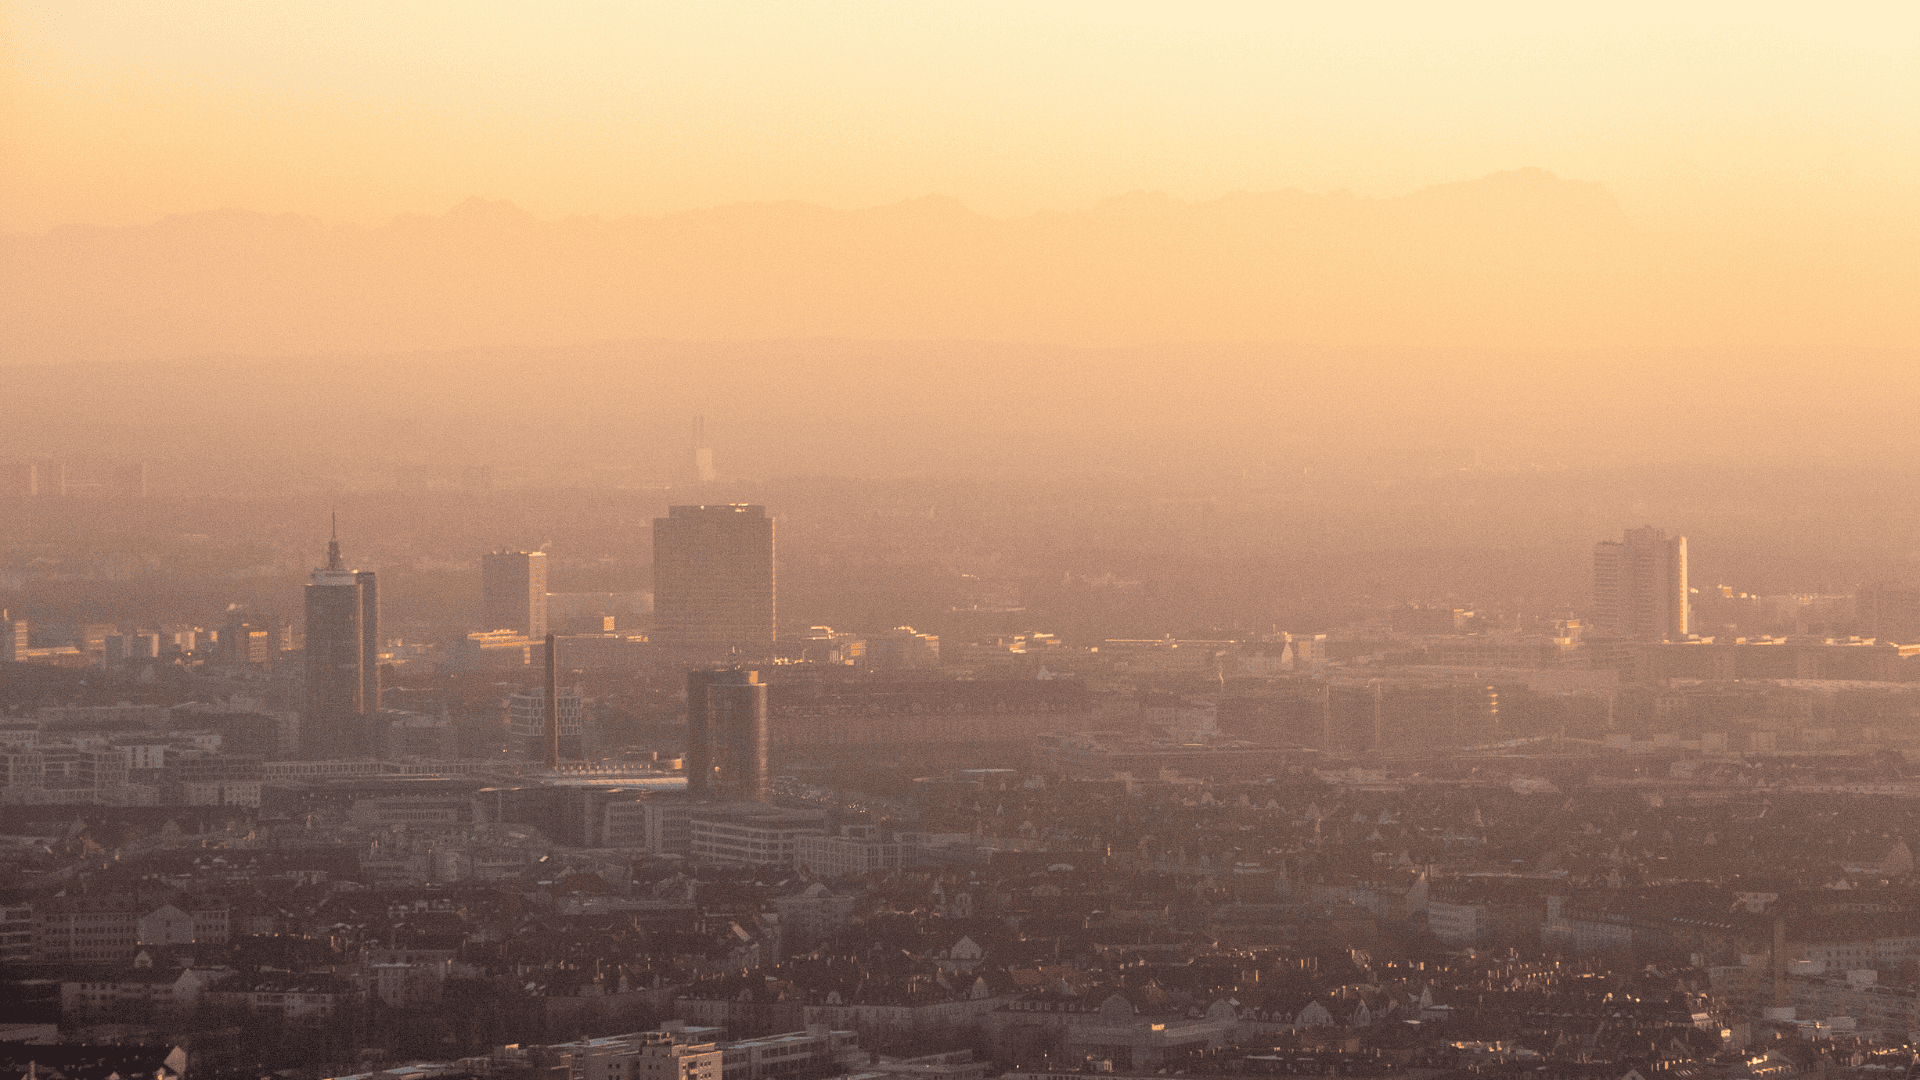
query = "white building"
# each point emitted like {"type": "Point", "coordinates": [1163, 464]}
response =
{"type": "Point", "coordinates": [1458, 924]}
{"type": "Point", "coordinates": [852, 856]}
{"type": "Point", "coordinates": [641, 1055]}
{"type": "Point", "coordinates": [168, 924]}
{"type": "Point", "coordinates": [752, 835]}
{"type": "Point", "coordinates": [791, 1052]}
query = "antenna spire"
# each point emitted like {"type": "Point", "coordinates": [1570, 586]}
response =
{"type": "Point", "coordinates": [333, 545]}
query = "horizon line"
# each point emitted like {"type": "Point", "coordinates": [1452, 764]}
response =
{"type": "Point", "coordinates": [477, 200]}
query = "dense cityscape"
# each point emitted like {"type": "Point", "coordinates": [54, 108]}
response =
{"type": "Point", "coordinates": [673, 831]}
{"type": "Point", "coordinates": [859, 540]}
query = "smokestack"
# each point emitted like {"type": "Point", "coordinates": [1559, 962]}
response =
{"type": "Point", "coordinates": [553, 708]}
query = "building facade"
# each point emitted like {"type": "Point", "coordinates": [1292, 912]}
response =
{"type": "Point", "coordinates": [853, 856]}
{"type": "Point", "coordinates": [641, 1055]}
{"type": "Point", "coordinates": [86, 929]}
{"type": "Point", "coordinates": [343, 658]}
{"type": "Point", "coordinates": [526, 714]}
{"type": "Point", "coordinates": [713, 580]}
{"type": "Point", "coordinates": [727, 736]}
{"type": "Point", "coordinates": [752, 836]}
{"type": "Point", "coordinates": [513, 592]}
{"type": "Point", "coordinates": [1640, 586]}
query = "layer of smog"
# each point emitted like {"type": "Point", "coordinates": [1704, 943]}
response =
{"type": "Point", "coordinates": [724, 626]}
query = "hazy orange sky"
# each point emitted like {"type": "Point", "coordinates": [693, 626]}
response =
{"type": "Point", "coordinates": [1722, 121]}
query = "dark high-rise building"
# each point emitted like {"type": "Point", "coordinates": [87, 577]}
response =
{"type": "Point", "coordinates": [713, 590]}
{"type": "Point", "coordinates": [1640, 586]}
{"type": "Point", "coordinates": [343, 658]}
{"type": "Point", "coordinates": [513, 591]}
{"type": "Point", "coordinates": [727, 735]}
{"type": "Point", "coordinates": [699, 735]}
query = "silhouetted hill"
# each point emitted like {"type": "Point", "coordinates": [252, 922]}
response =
{"type": "Point", "coordinates": [1517, 259]}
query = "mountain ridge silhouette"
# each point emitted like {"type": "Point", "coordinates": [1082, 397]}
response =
{"type": "Point", "coordinates": [1517, 259]}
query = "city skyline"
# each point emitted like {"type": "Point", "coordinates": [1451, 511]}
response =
{"type": "Point", "coordinates": [958, 542]}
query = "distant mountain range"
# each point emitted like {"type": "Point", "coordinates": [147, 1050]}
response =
{"type": "Point", "coordinates": [1517, 260]}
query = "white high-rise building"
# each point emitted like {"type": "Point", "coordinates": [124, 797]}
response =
{"type": "Point", "coordinates": [1640, 586]}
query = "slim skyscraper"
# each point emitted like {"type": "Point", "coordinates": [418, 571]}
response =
{"type": "Point", "coordinates": [727, 736]}
{"type": "Point", "coordinates": [513, 591]}
{"type": "Point", "coordinates": [343, 658]}
{"type": "Point", "coordinates": [1640, 586]}
{"type": "Point", "coordinates": [713, 587]}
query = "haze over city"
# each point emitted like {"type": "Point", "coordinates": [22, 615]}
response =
{"type": "Point", "coordinates": [786, 542]}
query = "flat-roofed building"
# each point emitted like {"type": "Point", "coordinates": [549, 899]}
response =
{"type": "Point", "coordinates": [713, 580]}
{"type": "Point", "coordinates": [752, 834]}
{"type": "Point", "coordinates": [513, 592]}
{"type": "Point", "coordinates": [640, 1055]}
{"type": "Point", "coordinates": [811, 1051]}
{"type": "Point", "coordinates": [1640, 586]}
{"type": "Point", "coordinates": [85, 928]}
{"type": "Point", "coordinates": [854, 855]}
{"type": "Point", "coordinates": [727, 735]}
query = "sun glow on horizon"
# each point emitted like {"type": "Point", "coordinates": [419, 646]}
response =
{"type": "Point", "coordinates": [1794, 128]}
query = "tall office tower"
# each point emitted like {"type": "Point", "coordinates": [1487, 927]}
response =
{"type": "Point", "coordinates": [727, 735]}
{"type": "Point", "coordinates": [343, 658]}
{"type": "Point", "coordinates": [702, 452]}
{"type": "Point", "coordinates": [513, 590]}
{"type": "Point", "coordinates": [1640, 586]}
{"type": "Point", "coordinates": [713, 593]}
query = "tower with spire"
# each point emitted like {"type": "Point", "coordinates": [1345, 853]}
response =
{"type": "Point", "coordinates": [343, 657]}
